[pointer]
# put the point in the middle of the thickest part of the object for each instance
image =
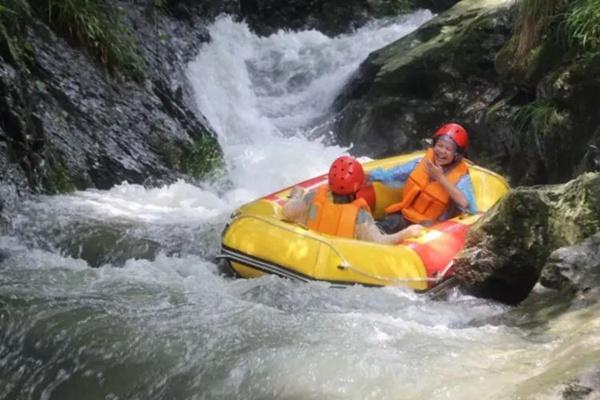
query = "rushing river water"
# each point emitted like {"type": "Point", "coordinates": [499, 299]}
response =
{"type": "Point", "coordinates": [157, 319]}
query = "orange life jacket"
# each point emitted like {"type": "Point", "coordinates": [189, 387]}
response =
{"type": "Point", "coordinates": [424, 199]}
{"type": "Point", "coordinates": [330, 218]}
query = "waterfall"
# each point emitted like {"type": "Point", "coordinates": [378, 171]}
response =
{"type": "Point", "coordinates": [269, 98]}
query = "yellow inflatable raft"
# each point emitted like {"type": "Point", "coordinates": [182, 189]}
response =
{"type": "Point", "coordinates": [256, 240]}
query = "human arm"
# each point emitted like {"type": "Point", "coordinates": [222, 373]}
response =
{"type": "Point", "coordinates": [296, 208]}
{"type": "Point", "coordinates": [465, 185]}
{"type": "Point", "coordinates": [395, 176]}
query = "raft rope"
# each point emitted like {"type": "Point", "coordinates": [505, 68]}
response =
{"type": "Point", "coordinates": [385, 278]}
{"type": "Point", "coordinates": [345, 265]}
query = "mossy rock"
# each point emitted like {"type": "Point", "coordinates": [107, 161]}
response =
{"type": "Point", "coordinates": [507, 249]}
{"type": "Point", "coordinates": [58, 181]}
{"type": "Point", "coordinates": [203, 158]}
{"type": "Point", "coordinates": [442, 71]}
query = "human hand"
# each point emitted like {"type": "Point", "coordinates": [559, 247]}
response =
{"type": "Point", "coordinates": [435, 171]}
{"type": "Point", "coordinates": [296, 192]}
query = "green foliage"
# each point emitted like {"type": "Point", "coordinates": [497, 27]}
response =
{"type": "Point", "coordinates": [57, 181]}
{"type": "Point", "coordinates": [93, 24]}
{"type": "Point", "coordinates": [540, 116]}
{"type": "Point", "coordinates": [203, 157]}
{"type": "Point", "coordinates": [10, 47]}
{"type": "Point", "coordinates": [572, 23]}
{"type": "Point", "coordinates": [97, 26]}
{"type": "Point", "coordinates": [581, 25]}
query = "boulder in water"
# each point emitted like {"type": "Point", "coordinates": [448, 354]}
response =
{"type": "Point", "coordinates": [507, 249]}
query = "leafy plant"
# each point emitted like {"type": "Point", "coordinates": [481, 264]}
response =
{"type": "Point", "coordinates": [541, 124]}
{"type": "Point", "coordinates": [203, 157]}
{"type": "Point", "coordinates": [582, 25]}
{"type": "Point", "coordinates": [97, 26]}
{"type": "Point", "coordinates": [541, 116]}
{"type": "Point", "coordinates": [93, 24]}
{"type": "Point", "coordinates": [10, 13]}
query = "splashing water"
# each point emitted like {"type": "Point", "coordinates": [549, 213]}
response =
{"type": "Point", "coordinates": [167, 325]}
{"type": "Point", "coordinates": [265, 96]}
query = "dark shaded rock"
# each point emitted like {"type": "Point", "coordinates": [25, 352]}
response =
{"type": "Point", "coordinates": [196, 13]}
{"type": "Point", "coordinates": [501, 252]}
{"type": "Point", "coordinates": [68, 124]}
{"type": "Point", "coordinates": [505, 252]}
{"type": "Point", "coordinates": [332, 17]}
{"type": "Point", "coordinates": [435, 6]}
{"type": "Point", "coordinates": [443, 71]}
{"type": "Point", "coordinates": [13, 182]}
{"type": "Point", "coordinates": [329, 17]}
{"type": "Point", "coordinates": [575, 268]}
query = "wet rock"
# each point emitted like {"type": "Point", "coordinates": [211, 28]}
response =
{"type": "Point", "coordinates": [507, 249]}
{"type": "Point", "coordinates": [435, 6]}
{"type": "Point", "coordinates": [587, 386]}
{"type": "Point", "coordinates": [575, 268]}
{"type": "Point", "coordinates": [443, 71]}
{"type": "Point", "coordinates": [330, 17]}
{"type": "Point", "coordinates": [69, 124]}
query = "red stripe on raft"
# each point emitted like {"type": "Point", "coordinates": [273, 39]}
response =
{"type": "Point", "coordinates": [439, 252]}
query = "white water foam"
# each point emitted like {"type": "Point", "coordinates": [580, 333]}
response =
{"type": "Point", "coordinates": [265, 95]}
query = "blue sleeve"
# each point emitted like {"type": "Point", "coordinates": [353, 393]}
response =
{"type": "Point", "coordinates": [363, 217]}
{"type": "Point", "coordinates": [465, 185]}
{"type": "Point", "coordinates": [395, 176]}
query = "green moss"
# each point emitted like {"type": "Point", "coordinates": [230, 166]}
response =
{"type": "Point", "coordinates": [576, 214]}
{"type": "Point", "coordinates": [203, 158]}
{"type": "Point", "coordinates": [57, 181]}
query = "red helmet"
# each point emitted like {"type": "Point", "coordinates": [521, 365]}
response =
{"type": "Point", "coordinates": [346, 175]}
{"type": "Point", "coordinates": [458, 134]}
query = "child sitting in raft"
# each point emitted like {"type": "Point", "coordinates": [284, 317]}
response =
{"type": "Point", "coordinates": [334, 209]}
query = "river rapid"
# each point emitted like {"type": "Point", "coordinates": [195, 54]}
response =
{"type": "Point", "coordinates": [116, 295]}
